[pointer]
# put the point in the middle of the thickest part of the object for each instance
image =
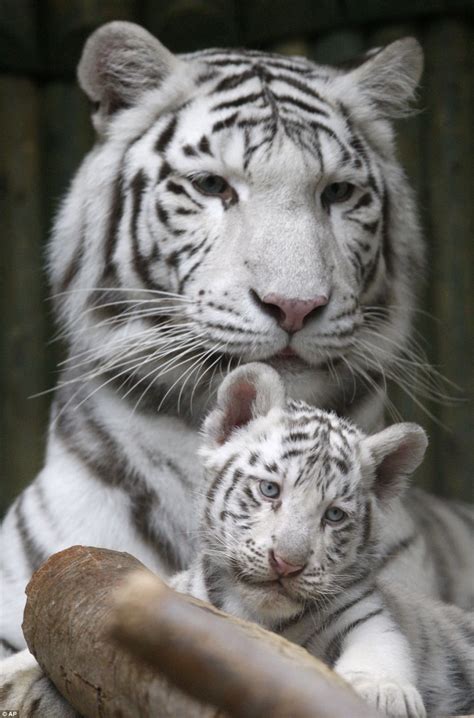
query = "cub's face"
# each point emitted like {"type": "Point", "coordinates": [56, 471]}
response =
{"type": "Point", "coordinates": [288, 513]}
{"type": "Point", "coordinates": [295, 494]}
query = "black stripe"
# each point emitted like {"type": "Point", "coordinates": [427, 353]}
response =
{"type": "Point", "coordinates": [395, 550]}
{"type": "Point", "coordinates": [225, 124]}
{"type": "Point", "coordinates": [176, 188]}
{"type": "Point", "coordinates": [206, 76]}
{"type": "Point", "coordinates": [275, 64]}
{"type": "Point", "coordinates": [367, 523]}
{"type": "Point", "coordinates": [244, 99]}
{"type": "Point", "coordinates": [297, 436]}
{"type": "Point", "coordinates": [5, 691]}
{"type": "Point", "coordinates": [165, 171]}
{"type": "Point", "coordinates": [231, 81]}
{"type": "Point", "coordinates": [115, 215]}
{"type": "Point", "coordinates": [288, 100]}
{"type": "Point", "coordinates": [183, 281]}
{"type": "Point", "coordinates": [34, 707]}
{"type": "Point", "coordinates": [185, 211]}
{"type": "Point", "coordinates": [319, 126]}
{"type": "Point", "coordinates": [333, 650]}
{"type": "Point", "coordinates": [212, 583]}
{"type": "Point", "coordinates": [387, 249]}
{"type": "Point", "coordinates": [162, 213]}
{"type": "Point", "coordinates": [298, 85]}
{"type": "Point", "coordinates": [110, 468]}
{"type": "Point", "coordinates": [370, 271]}
{"type": "Point", "coordinates": [34, 554]}
{"type": "Point", "coordinates": [364, 201]}
{"type": "Point", "coordinates": [204, 145]}
{"type": "Point", "coordinates": [7, 646]}
{"type": "Point", "coordinates": [189, 151]}
{"type": "Point", "coordinates": [329, 620]}
{"type": "Point", "coordinates": [74, 264]}
{"type": "Point", "coordinates": [166, 136]}
{"type": "Point", "coordinates": [145, 505]}
{"type": "Point", "coordinates": [284, 625]}
{"type": "Point", "coordinates": [236, 476]}
{"type": "Point", "coordinates": [140, 263]}
{"type": "Point", "coordinates": [221, 475]}
{"type": "Point", "coordinates": [291, 452]}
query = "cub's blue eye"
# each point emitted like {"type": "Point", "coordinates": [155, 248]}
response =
{"type": "Point", "coordinates": [337, 192]}
{"type": "Point", "coordinates": [269, 489]}
{"type": "Point", "coordinates": [213, 185]}
{"type": "Point", "coordinates": [334, 515]}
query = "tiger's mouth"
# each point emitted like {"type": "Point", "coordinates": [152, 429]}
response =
{"type": "Point", "coordinates": [287, 353]}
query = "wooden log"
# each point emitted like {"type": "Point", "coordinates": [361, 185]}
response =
{"type": "Point", "coordinates": [118, 643]}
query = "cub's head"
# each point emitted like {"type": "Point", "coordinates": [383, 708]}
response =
{"type": "Point", "coordinates": [295, 495]}
{"type": "Point", "coordinates": [238, 206]}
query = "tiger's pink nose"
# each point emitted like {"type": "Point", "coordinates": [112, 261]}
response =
{"type": "Point", "coordinates": [293, 312]}
{"type": "Point", "coordinates": [282, 567]}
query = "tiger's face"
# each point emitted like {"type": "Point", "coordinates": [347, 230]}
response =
{"type": "Point", "coordinates": [272, 234]}
{"type": "Point", "coordinates": [296, 496]}
{"type": "Point", "coordinates": [240, 206]}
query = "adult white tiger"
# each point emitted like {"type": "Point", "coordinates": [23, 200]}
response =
{"type": "Point", "coordinates": [237, 206]}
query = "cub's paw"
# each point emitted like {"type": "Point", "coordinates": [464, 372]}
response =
{"type": "Point", "coordinates": [24, 687]}
{"type": "Point", "coordinates": [397, 700]}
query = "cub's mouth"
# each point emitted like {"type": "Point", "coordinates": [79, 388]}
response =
{"type": "Point", "coordinates": [271, 586]}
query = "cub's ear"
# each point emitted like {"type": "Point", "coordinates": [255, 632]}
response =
{"type": "Point", "coordinates": [393, 455]}
{"type": "Point", "coordinates": [245, 394]}
{"type": "Point", "coordinates": [119, 62]}
{"type": "Point", "coordinates": [385, 83]}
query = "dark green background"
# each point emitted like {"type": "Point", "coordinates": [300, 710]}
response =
{"type": "Point", "coordinates": [45, 131]}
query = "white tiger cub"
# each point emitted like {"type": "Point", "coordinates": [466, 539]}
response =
{"type": "Point", "coordinates": [301, 521]}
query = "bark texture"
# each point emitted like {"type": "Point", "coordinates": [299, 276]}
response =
{"type": "Point", "coordinates": [116, 641]}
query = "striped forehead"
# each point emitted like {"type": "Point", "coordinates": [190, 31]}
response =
{"type": "Point", "coordinates": [307, 447]}
{"type": "Point", "coordinates": [262, 102]}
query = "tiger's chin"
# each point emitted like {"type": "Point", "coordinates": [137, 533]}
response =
{"type": "Point", "coordinates": [310, 382]}
{"type": "Point", "coordinates": [269, 600]}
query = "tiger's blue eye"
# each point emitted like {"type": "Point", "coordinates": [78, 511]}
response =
{"type": "Point", "coordinates": [334, 514]}
{"type": "Point", "coordinates": [269, 489]}
{"type": "Point", "coordinates": [337, 192]}
{"type": "Point", "coordinates": [212, 185]}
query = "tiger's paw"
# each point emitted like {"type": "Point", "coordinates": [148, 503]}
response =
{"type": "Point", "coordinates": [25, 688]}
{"type": "Point", "coordinates": [394, 699]}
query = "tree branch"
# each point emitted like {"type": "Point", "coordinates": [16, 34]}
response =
{"type": "Point", "coordinates": [116, 640]}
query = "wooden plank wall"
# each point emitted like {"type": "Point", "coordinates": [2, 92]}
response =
{"type": "Point", "coordinates": [45, 131]}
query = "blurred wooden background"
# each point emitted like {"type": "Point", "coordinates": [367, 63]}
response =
{"type": "Point", "coordinates": [45, 131]}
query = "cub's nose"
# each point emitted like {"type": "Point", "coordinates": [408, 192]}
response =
{"type": "Point", "coordinates": [282, 567]}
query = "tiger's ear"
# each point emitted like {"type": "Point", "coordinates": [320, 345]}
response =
{"type": "Point", "coordinates": [245, 394]}
{"type": "Point", "coordinates": [121, 61]}
{"type": "Point", "coordinates": [392, 456]}
{"type": "Point", "coordinates": [384, 85]}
